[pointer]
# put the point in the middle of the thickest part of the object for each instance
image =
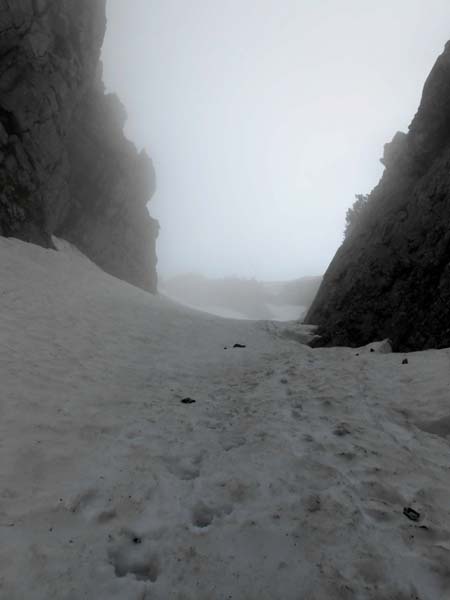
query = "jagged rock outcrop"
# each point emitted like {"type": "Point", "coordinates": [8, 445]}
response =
{"type": "Point", "coordinates": [65, 166]}
{"type": "Point", "coordinates": [391, 276]}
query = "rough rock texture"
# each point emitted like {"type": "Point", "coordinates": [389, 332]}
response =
{"type": "Point", "coordinates": [391, 276]}
{"type": "Point", "coordinates": [65, 165]}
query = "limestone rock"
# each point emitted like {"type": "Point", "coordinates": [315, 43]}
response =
{"type": "Point", "coordinates": [391, 276]}
{"type": "Point", "coordinates": [65, 166]}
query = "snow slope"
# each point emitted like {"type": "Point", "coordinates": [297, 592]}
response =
{"type": "Point", "coordinates": [279, 312]}
{"type": "Point", "coordinates": [285, 480]}
{"type": "Point", "coordinates": [218, 311]}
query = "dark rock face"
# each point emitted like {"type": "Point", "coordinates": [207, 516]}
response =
{"type": "Point", "coordinates": [391, 276]}
{"type": "Point", "coordinates": [109, 186]}
{"type": "Point", "coordinates": [65, 166]}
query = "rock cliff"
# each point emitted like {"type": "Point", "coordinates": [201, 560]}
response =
{"type": "Point", "coordinates": [66, 167]}
{"type": "Point", "coordinates": [391, 276]}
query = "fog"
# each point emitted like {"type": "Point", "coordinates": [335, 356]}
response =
{"type": "Point", "coordinates": [264, 118]}
{"type": "Point", "coordinates": [236, 298]}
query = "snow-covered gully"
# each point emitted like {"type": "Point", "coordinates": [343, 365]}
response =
{"type": "Point", "coordinates": [287, 479]}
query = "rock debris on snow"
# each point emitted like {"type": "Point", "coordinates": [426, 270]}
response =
{"type": "Point", "coordinates": [412, 514]}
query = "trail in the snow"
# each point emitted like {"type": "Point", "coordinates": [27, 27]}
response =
{"type": "Point", "coordinates": [286, 479]}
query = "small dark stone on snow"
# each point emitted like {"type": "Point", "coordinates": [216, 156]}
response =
{"type": "Point", "coordinates": [188, 401]}
{"type": "Point", "coordinates": [239, 346]}
{"type": "Point", "coordinates": [405, 361]}
{"type": "Point", "coordinates": [411, 514]}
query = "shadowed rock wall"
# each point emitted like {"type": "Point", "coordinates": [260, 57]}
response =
{"type": "Point", "coordinates": [65, 166]}
{"type": "Point", "coordinates": [391, 276]}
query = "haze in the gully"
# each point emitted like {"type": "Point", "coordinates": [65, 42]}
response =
{"type": "Point", "coordinates": [264, 118]}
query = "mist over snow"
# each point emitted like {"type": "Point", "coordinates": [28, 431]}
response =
{"type": "Point", "coordinates": [264, 118]}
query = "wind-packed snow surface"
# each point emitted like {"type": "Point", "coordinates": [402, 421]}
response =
{"type": "Point", "coordinates": [285, 480]}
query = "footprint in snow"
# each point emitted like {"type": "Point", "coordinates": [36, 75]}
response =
{"type": "Point", "coordinates": [134, 555]}
{"type": "Point", "coordinates": [342, 430]}
{"type": "Point", "coordinates": [203, 515]}
{"type": "Point", "coordinates": [184, 469]}
{"type": "Point", "coordinates": [231, 441]}
{"type": "Point", "coordinates": [91, 505]}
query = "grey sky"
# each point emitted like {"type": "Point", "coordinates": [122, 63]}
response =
{"type": "Point", "coordinates": [265, 117]}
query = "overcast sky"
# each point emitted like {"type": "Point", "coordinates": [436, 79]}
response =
{"type": "Point", "coordinates": [265, 117]}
